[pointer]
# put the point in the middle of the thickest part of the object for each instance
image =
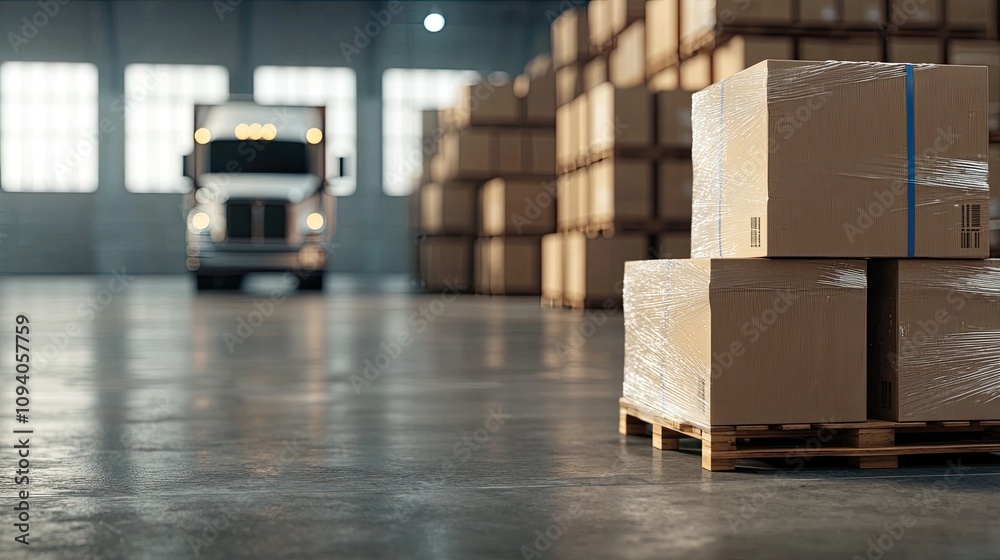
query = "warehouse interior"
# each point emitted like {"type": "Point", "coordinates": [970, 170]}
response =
{"type": "Point", "coordinates": [526, 279]}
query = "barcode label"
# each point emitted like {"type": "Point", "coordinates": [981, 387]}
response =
{"type": "Point", "coordinates": [971, 226]}
{"type": "Point", "coordinates": [755, 231]}
{"type": "Point", "coordinates": [887, 395]}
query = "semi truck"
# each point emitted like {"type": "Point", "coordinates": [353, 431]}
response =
{"type": "Point", "coordinates": [259, 202]}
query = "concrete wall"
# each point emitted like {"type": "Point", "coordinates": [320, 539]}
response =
{"type": "Point", "coordinates": [98, 232]}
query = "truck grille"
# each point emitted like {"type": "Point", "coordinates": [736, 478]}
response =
{"type": "Point", "coordinates": [275, 221]}
{"type": "Point", "coordinates": [249, 220]}
{"type": "Point", "coordinates": [239, 220]}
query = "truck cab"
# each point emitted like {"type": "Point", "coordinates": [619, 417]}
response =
{"type": "Point", "coordinates": [259, 202]}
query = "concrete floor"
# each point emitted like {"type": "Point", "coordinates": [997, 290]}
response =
{"type": "Point", "coordinates": [492, 434]}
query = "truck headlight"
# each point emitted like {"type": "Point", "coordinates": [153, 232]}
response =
{"type": "Point", "coordinates": [315, 221]}
{"type": "Point", "coordinates": [199, 221]}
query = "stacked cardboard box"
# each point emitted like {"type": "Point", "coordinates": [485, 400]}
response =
{"type": "Point", "coordinates": [623, 155]}
{"type": "Point", "coordinates": [831, 163]}
{"type": "Point", "coordinates": [501, 129]}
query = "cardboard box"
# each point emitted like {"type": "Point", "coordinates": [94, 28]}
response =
{"type": "Point", "coordinates": [626, 12]}
{"type": "Point", "coordinates": [819, 12]}
{"type": "Point", "coordinates": [569, 84]}
{"type": "Point", "coordinates": [595, 72]}
{"type": "Point", "coordinates": [742, 52]}
{"type": "Point", "coordinates": [540, 103]}
{"type": "Point", "coordinates": [673, 199]}
{"type": "Point", "coordinates": [627, 62]}
{"type": "Point", "coordinates": [518, 207]}
{"type": "Point", "coordinates": [570, 37]}
{"type": "Point", "coordinates": [805, 159]}
{"type": "Point", "coordinates": [600, 25]}
{"type": "Point", "coordinates": [916, 50]}
{"type": "Point", "coordinates": [621, 191]}
{"type": "Point", "coordinates": [573, 206]}
{"type": "Point", "coordinates": [700, 17]}
{"type": "Point", "coordinates": [446, 263]}
{"type": "Point", "coordinates": [662, 46]}
{"type": "Point", "coordinates": [465, 155]}
{"type": "Point", "coordinates": [715, 342]}
{"type": "Point", "coordinates": [673, 119]}
{"type": "Point", "coordinates": [620, 117]}
{"type": "Point", "coordinates": [448, 209]}
{"type": "Point", "coordinates": [515, 265]}
{"type": "Point", "coordinates": [852, 50]}
{"type": "Point", "coordinates": [673, 245]}
{"type": "Point", "coordinates": [994, 163]}
{"type": "Point", "coordinates": [487, 103]}
{"type": "Point", "coordinates": [595, 267]}
{"type": "Point", "coordinates": [481, 266]}
{"type": "Point", "coordinates": [552, 268]}
{"type": "Point", "coordinates": [935, 330]}
{"type": "Point", "coordinates": [511, 150]}
{"type": "Point", "coordinates": [696, 72]}
{"type": "Point", "coordinates": [565, 202]}
{"type": "Point", "coordinates": [565, 123]}
{"type": "Point", "coordinates": [581, 197]}
{"type": "Point", "coordinates": [864, 13]}
{"type": "Point", "coordinates": [972, 14]}
{"type": "Point", "coordinates": [542, 151]}
{"type": "Point", "coordinates": [582, 128]}
{"type": "Point", "coordinates": [911, 13]}
{"type": "Point", "coordinates": [981, 53]}
{"type": "Point", "coordinates": [668, 79]}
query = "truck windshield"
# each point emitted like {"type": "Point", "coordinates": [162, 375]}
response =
{"type": "Point", "coordinates": [257, 156]}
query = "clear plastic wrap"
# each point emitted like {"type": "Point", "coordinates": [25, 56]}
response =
{"type": "Point", "coordinates": [842, 159]}
{"type": "Point", "coordinates": [937, 340]}
{"type": "Point", "coordinates": [714, 342]}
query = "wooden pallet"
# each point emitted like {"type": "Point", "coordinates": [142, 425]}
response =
{"type": "Point", "coordinates": [872, 444]}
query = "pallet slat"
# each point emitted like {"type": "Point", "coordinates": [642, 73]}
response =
{"type": "Point", "coordinates": [868, 445]}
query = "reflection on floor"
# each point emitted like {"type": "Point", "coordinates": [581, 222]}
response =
{"type": "Point", "coordinates": [357, 425]}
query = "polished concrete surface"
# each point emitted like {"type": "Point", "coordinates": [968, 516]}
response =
{"type": "Point", "coordinates": [489, 430]}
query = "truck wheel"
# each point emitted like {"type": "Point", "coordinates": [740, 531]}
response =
{"type": "Point", "coordinates": [312, 283]}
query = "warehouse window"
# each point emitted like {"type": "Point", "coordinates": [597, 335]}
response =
{"type": "Point", "coordinates": [158, 107]}
{"type": "Point", "coordinates": [48, 127]}
{"type": "Point", "coordinates": [405, 93]}
{"type": "Point", "coordinates": [334, 88]}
